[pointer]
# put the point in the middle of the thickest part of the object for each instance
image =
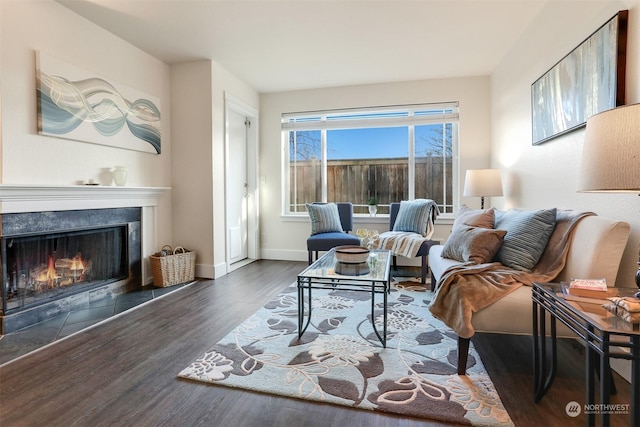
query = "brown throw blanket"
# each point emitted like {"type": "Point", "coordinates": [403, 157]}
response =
{"type": "Point", "coordinates": [464, 289]}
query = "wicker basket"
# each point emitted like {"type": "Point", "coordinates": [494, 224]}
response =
{"type": "Point", "coordinates": [172, 267]}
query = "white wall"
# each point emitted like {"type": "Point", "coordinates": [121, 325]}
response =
{"type": "Point", "coordinates": [546, 175]}
{"type": "Point", "coordinates": [198, 93]}
{"type": "Point", "coordinates": [285, 238]}
{"type": "Point", "coordinates": [28, 158]}
{"type": "Point", "coordinates": [192, 161]}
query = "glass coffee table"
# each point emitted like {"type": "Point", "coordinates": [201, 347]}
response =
{"type": "Point", "coordinates": [328, 273]}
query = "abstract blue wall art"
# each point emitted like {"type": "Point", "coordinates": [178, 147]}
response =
{"type": "Point", "coordinates": [589, 80]}
{"type": "Point", "coordinates": [74, 104]}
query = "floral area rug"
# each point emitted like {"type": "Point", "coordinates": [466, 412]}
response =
{"type": "Point", "coordinates": [340, 360]}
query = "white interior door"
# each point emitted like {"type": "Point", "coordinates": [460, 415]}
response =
{"type": "Point", "coordinates": [237, 187]}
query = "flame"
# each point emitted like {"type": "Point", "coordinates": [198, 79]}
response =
{"type": "Point", "coordinates": [61, 272]}
{"type": "Point", "coordinates": [77, 264]}
{"type": "Point", "coordinates": [49, 275]}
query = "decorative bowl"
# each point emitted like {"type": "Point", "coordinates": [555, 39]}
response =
{"type": "Point", "coordinates": [352, 254]}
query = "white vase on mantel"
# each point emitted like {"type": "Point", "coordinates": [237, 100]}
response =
{"type": "Point", "coordinates": [120, 175]}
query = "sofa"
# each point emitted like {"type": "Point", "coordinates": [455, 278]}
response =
{"type": "Point", "coordinates": [595, 248]}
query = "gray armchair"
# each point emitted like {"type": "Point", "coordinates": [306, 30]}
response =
{"type": "Point", "coordinates": [323, 242]}
{"type": "Point", "coordinates": [423, 252]}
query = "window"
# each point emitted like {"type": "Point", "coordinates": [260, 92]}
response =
{"type": "Point", "coordinates": [387, 153]}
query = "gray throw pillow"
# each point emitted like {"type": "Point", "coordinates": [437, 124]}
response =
{"type": "Point", "coordinates": [475, 244]}
{"type": "Point", "coordinates": [324, 218]}
{"type": "Point", "coordinates": [528, 233]}
{"type": "Point", "coordinates": [413, 216]}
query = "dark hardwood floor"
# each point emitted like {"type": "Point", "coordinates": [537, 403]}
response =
{"type": "Point", "coordinates": [124, 372]}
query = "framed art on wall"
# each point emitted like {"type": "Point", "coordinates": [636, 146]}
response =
{"type": "Point", "coordinates": [78, 105]}
{"type": "Point", "coordinates": [590, 79]}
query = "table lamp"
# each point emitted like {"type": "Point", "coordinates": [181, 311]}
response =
{"type": "Point", "coordinates": [611, 155]}
{"type": "Point", "coordinates": [482, 183]}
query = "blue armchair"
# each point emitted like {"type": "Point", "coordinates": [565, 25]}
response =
{"type": "Point", "coordinates": [323, 242]}
{"type": "Point", "coordinates": [423, 252]}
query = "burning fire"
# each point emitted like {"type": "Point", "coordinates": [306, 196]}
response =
{"type": "Point", "coordinates": [76, 264]}
{"type": "Point", "coordinates": [61, 272]}
{"type": "Point", "coordinates": [49, 275]}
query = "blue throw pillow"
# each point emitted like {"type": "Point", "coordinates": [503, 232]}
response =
{"type": "Point", "coordinates": [528, 233]}
{"type": "Point", "coordinates": [413, 216]}
{"type": "Point", "coordinates": [324, 218]}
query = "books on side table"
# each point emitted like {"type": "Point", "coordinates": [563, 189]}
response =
{"type": "Point", "coordinates": [590, 295]}
{"type": "Point", "coordinates": [593, 296]}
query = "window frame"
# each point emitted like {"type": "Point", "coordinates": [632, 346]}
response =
{"type": "Point", "coordinates": [352, 118]}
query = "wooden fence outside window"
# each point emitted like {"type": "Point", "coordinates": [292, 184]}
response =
{"type": "Point", "coordinates": [356, 181]}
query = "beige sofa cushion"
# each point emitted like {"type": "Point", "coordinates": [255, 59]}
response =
{"type": "Point", "coordinates": [513, 314]}
{"type": "Point", "coordinates": [596, 250]}
{"type": "Point", "coordinates": [437, 263]}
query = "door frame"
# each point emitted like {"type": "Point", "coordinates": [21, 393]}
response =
{"type": "Point", "coordinates": [253, 232]}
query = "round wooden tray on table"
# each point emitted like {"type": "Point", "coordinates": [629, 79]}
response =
{"type": "Point", "coordinates": [352, 260]}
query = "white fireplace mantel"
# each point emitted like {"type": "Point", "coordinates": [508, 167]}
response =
{"type": "Point", "coordinates": [42, 198]}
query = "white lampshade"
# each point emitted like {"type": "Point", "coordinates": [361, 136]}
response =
{"type": "Point", "coordinates": [482, 183]}
{"type": "Point", "coordinates": [611, 152]}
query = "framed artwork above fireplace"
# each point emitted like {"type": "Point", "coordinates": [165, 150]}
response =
{"type": "Point", "coordinates": [78, 105]}
{"type": "Point", "coordinates": [589, 80]}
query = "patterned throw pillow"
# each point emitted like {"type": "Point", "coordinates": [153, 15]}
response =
{"type": "Point", "coordinates": [528, 233]}
{"type": "Point", "coordinates": [324, 218]}
{"type": "Point", "coordinates": [476, 244]}
{"type": "Point", "coordinates": [413, 216]}
{"type": "Point", "coordinates": [484, 218]}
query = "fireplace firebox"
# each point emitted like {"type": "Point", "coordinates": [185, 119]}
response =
{"type": "Point", "coordinates": [55, 261]}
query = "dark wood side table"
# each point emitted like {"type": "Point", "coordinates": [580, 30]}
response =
{"type": "Point", "coordinates": [602, 334]}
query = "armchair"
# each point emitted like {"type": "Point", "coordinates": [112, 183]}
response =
{"type": "Point", "coordinates": [423, 252]}
{"type": "Point", "coordinates": [324, 241]}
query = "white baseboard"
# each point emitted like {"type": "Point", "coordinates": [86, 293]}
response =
{"type": "Point", "coordinates": [208, 271]}
{"type": "Point", "coordinates": [220, 270]}
{"type": "Point", "coordinates": [284, 254]}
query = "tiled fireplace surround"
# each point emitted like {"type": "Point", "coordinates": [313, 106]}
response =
{"type": "Point", "coordinates": [17, 199]}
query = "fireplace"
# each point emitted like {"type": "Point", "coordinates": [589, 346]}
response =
{"type": "Point", "coordinates": [54, 261]}
{"type": "Point", "coordinates": [44, 267]}
{"type": "Point", "coordinates": [67, 225]}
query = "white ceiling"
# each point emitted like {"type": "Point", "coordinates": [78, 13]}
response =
{"type": "Point", "coordinates": [276, 45]}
